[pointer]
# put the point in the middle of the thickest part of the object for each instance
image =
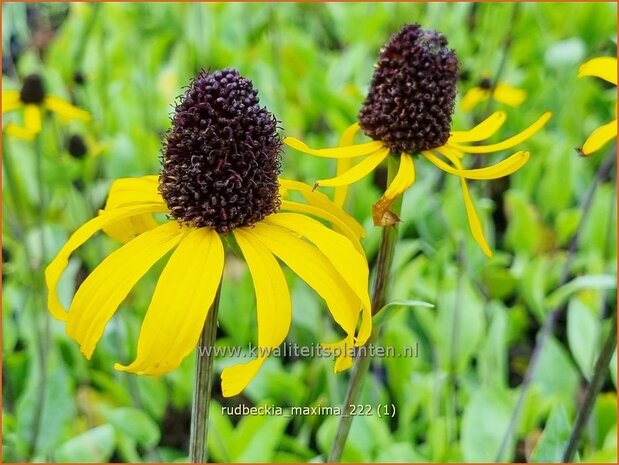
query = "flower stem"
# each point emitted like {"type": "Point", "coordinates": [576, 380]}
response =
{"type": "Point", "coordinates": [386, 251]}
{"type": "Point", "coordinates": [202, 386]}
{"type": "Point", "coordinates": [599, 375]}
{"type": "Point", "coordinates": [42, 327]}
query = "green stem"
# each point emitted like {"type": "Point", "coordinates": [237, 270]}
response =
{"type": "Point", "coordinates": [600, 372]}
{"type": "Point", "coordinates": [202, 386]}
{"type": "Point", "coordinates": [386, 251]}
{"type": "Point", "coordinates": [43, 332]}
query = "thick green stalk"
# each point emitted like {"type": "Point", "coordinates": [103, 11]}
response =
{"type": "Point", "coordinates": [202, 386]}
{"type": "Point", "coordinates": [388, 242]}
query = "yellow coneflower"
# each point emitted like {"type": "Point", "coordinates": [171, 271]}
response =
{"type": "Point", "coordinates": [408, 112]}
{"type": "Point", "coordinates": [604, 68]}
{"type": "Point", "coordinates": [501, 92]}
{"type": "Point", "coordinates": [219, 180]}
{"type": "Point", "coordinates": [34, 100]}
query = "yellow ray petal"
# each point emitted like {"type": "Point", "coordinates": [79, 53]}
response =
{"type": "Point", "coordinates": [32, 118]}
{"type": "Point", "coordinates": [484, 130]}
{"type": "Point", "coordinates": [320, 200]}
{"type": "Point", "coordinates": [507, 143]}
{"type": "Point", "coordinates": [313, 267]}
{"type": "Point", "coordinates": [99, 296]}
{"type": "Point", "coordinates": [350, 151]}
{"type": "Point", "coordinates": [10, 100]}
{"type": "Point", "coordinates": [357, 172]}
{"type": "Point", "coordinates": [132, 191]}
{"type": "Point", "coordinates": [509, 95]}
{"type": "Point", "coordinates": [404, 178]}
{"type": "Point", "coordinates": [343, 350]}
{"type": "Point", "coordinates": [602, 67]}
{"type": "Point", "coordinates": [477, 230]}
{"type": "Point", "coordinates": [335, 221]}
{"type": "Point", "coordinates": [473, 97]}
{"type": "Point", "coordinates": [350, 264]}
{"type": "Point", "coordinates": [19, 132]}
{"type": "Point", "coordinates": [599, 137]}
{"type": "Point", "coordinates": [504, 168]}
{"type": "Point", "coordinates": [65, 109]}
{"type": "Point", "coordinates": [124, 230]}
{"type": "Point", "coordinates": [236, 378]}
{"type": "Point", "coordinates": [180, 304]}
{"type": "Point", "coordinates": [273, 306]}
{"type": "Point", "coordinates": [344, 164]}
{"type": "Point", "coordinates": [59, 263]}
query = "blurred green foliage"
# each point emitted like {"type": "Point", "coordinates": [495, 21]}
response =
{"type": "Point", "coordinates": [312, 63]}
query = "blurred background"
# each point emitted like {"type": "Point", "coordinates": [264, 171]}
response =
{"type": "Point", "coordinates": [472, 393]}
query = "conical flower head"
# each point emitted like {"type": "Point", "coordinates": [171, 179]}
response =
{"type": "Point", "coordinates": [412, 93]}
{"type": "Point", "coordinates": [221, 158]}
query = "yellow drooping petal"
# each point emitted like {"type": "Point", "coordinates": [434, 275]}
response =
{"type": "Point", "coordinates": [350, 264]}
{"type": "Point", "coordinates": [344, 164]}
{"type": "Point", "coordinates": [504, 168]}
{"type": "Point", "coordinates": [473, 97]}
{"type": "Point", "coordinates": [507, 143]}
{"type": "Point", "coordinates": [349, 151]}
{"type": "Point", "coordinates": [599, 137]}
{"type": "Point", "coordinates": [65, 109]}
{"type": "Point", "coordinates": [273, 306]}
{"type": "Point", "coordinates": [404, 178]}
{"type": "Point", "coordinates": [54, 270]}
{"type": "Point", "coordinates": [320, 200]}
{"type": "Point", "coordinates": [357, 172]}
{"type": "Point", "coordinates": [509, 95]}
{"type": "Point", "coordinates": [132, 191]}
{"type": "Point", "coordinates": [484, 130]}
{"type": "Point", "coordinates": [343, 351]}
{"type": "Point", "coordinates": [337, 224]}
{"type": "Point", "coordinates": [19, 132]}
{"type": "Point", "coordinates": [602, 67]}
{"type": "Point", "coordinates": [124, 230]}
{"type": "Point", "coordinates": [10, 101]}
{"type": "Point", "coordinates": [99, 296]}
{"type": "Point", "coordinates": [180, 304]}
{"type": "Point", "coordinates": [32, 118]}
{"type": "Point", "coordinates": [236, 378]}
{"type": "Point", "coordinates": [477, 229]}
{"type": "Point", "coordinates": [313, 267]}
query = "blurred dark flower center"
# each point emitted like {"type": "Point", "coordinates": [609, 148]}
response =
{"type": "Point", "coordinates": [221, 158]}
{"type": "Point", "coordinates": [485, 84]}
{"type": "Point", "coordinates": [77, 146]}
{"type": "Point", "coordinates": [33, 90]}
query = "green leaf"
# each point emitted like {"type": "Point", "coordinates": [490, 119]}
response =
{"type": "Point", "coordinates": [560, 296]}
{"type": "Point", "coordinates": [257, 438]}
{"type": "Point", "coordinates": [556, 373]}
{"type": "Point", "coordinates": [552, 443]}
{"type": "Point", "coordinates": [383, 315]}
{"type": "Point", "coordinates": [400, 452]}
{"type": "Point", "coordinates": [135, 424]}
{"type": "Point", "coordinates": [583, 331]}
{"type": "Point", "coordinates": [95, 445]}
{"type": "Point", "coordinates": [484, 424]}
